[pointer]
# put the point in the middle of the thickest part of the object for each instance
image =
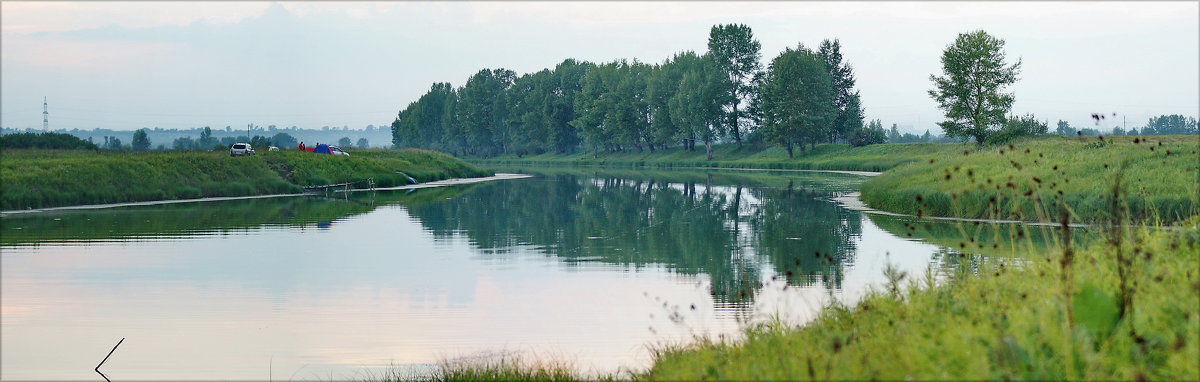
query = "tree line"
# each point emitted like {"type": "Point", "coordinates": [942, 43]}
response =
{"type": "Point", "coordinates": [803, 97]}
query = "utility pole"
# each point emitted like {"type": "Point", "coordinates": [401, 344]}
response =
{"type": "Point", "coordinates": [45, 115]}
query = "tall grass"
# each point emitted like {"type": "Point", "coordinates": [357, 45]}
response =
{"type": "Point", "coordinates": [48, 178]}
{"type": "Point", "coordinates": [1027, 178]}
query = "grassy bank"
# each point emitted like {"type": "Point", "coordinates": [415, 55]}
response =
{"type": "Point", "coordinates": [49, 178]}
{"type": "Point", "coordinates": [1048, 317]}
{"type": "Point", "coordinates": [1159, 176]}
{"type": "Point", "coordinates": [824, 157]}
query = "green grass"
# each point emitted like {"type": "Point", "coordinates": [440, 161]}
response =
{"type": "Point", "coordinates": [1160, 177]}
{"type": "Point", "coordinates": [994, 319]}
{"type": "Point", "coordinates": [49, 178]}
{"type": "Point", "coordinates": [488, 368]}
{"type": "Point", "coordinates": [824, 157]}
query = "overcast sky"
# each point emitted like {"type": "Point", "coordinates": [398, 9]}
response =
{"type": "Point", "coordinates": [311, 64]}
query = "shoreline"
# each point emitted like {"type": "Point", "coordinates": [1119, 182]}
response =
{"type": "Point", "coordinates": [853, 201]}
{"type": "Point", "coordinates": [433, 184]}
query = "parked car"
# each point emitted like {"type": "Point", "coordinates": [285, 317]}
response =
{"type": "Point", "coordinates": [240, 149]}
{"type": "Point", "coordinates": [272, 148]}
{"type": "Point", "coordinates": [337, 151]}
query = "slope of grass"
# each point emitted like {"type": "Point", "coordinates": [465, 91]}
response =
{"type": "Point", "coordinates": [824, 157]}
{"type": "Point", "coordinates": [1002, 319]}
{"type": "Point", "coordinates": [48, 178]}
{"type": "Point", "coordinates": [1160, 177]}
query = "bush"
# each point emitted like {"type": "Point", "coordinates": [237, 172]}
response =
{"type": "Point", "coordinates": [47, 140]}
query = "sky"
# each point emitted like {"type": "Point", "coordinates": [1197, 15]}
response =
{"type": "Point", "coordinates": [130, 65]}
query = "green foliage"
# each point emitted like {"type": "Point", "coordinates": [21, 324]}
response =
{"type": "Point", "coordinates": [140, 141]}
{"type": "Point", "coordinates": [285, 141]}
{"type": "Point", "coordinates": [696, 106]}
{"type": "Point", "coordinates": [112, 143]}
{"type": "Point", "coordinates": [48, 140]}
{"type": "Point", "coordinates": [482, 111]}
{"type": "Point", "coordinates": [846, 101]}
{"type": "Point", "coordinates": [1170, 124]}
{"type": "Point", "coordinates": [35, 179]}
{"type": "Point", "coordinates": [988, 320]}
{"type": "Point", "coordinates": [1064, 128]}
{"type": "Point", "coordinates": [616, 106]}
{"type": "Point", "coordinates": [1095, 310]}
{"type": "Point", "coordinates": [737, 56]}
{"type": "Point", "coordinates": [260, 143]}
{"type": "Point", "coordinates": [971, 91]}
{"type": "Point", "coordinates": [1026, 179]}
{"type": "Point", "coordinates": [872, 134]}
{"type": "Point", "coordinates": [1017, 127]}
{"type": "Point", "coordinates": [797, 100]}
{"type": "Point", "coordinates": [344, 142]}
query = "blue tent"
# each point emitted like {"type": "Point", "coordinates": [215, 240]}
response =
{"type": "Point", "coordinates": [322, 149]}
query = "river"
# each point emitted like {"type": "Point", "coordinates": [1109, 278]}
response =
{"type": "Point", "coordinates": [588, 266]}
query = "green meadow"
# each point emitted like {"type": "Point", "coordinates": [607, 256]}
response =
{"type": "Point", "coordinates": [50, 178]}
{"type": "Point", "coordinates": [1159, 180]}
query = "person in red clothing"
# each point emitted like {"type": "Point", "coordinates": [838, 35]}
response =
{"type": "Point", "coordinates": [301, 146]}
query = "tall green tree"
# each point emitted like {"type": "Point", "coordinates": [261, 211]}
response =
{"type": "Point", "coordinates": [696, 106]}
{"type": "Point", "coordinates": [841, 76]}
{"type": "Point", "coordinates": [560, 106]}
{"type": "Point", "coordinates": [797, 100]}
{"type": "Point", "coordinates": [738, 55]}
{"type": "Point", "coordinates": [1064, 128]}
{"type": "Point", "coordinates": [482, 111]}
{"type": "Point", "coordinates": [206, 140]}
{"type": "Point", "coordinates": [141, 142]}
{"type": "Point", "coordinates": [971, 91]}
{"type": "Point", "coordinates": [526, 113]}
{"type": "Point", "coordinates": [282, 140]}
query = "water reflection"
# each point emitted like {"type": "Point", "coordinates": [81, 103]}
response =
{"type": "Point", "coordinates": [592, 265]}
{"type": "Point", "coordinates": [192, 219]}
{"type": "Point", "coordinates": [727, 228]}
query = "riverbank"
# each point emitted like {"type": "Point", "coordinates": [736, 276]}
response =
{"type": "Point", "coordinates": [1067, 315]}
{"type": "Point", "coordinates": [31, 179]}
{"type": "Point", "coordinates": [991, 319]}
{"type": "Point", "coordinates": [1159, 180]}
{"type": "Point", "coordinates": [1022, 181]}
{"type": "Point", "coordinates": [825, 157]}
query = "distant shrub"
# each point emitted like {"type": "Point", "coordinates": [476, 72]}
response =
{"type": "Point", "coordinates": [45, 141]}
{"type": "Point", "coordinates": [1016, 127]}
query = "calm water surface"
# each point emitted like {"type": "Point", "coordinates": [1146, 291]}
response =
{"type": "Point", "coordinates": [588, 266]}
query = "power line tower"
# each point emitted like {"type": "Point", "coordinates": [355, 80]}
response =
{"type": "Point", "coordinates": [45, 115]}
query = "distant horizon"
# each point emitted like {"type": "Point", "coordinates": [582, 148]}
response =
{"type": "Point", "coordinates": [312, 64]}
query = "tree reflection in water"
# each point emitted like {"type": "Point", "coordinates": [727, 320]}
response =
{"type": "Point", "coordinates": [739, 232]}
